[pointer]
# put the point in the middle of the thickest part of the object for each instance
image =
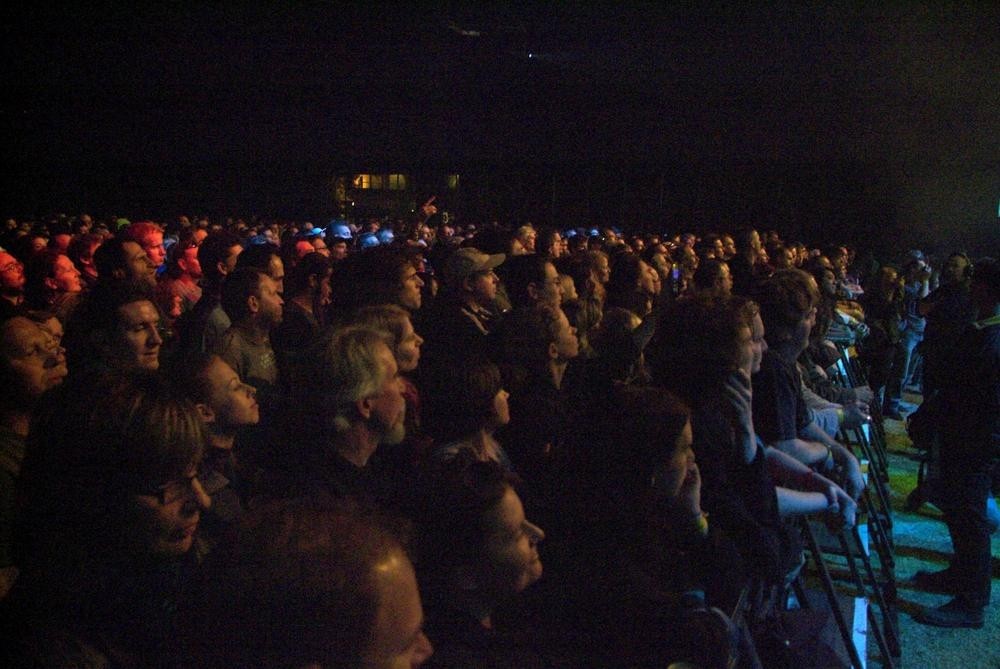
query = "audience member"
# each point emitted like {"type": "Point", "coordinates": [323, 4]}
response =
{"type": "Point", "coordinates": [305, 584]}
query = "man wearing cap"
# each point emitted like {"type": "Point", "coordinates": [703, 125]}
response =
{"type": "Point", "coordinates": [465, 314]}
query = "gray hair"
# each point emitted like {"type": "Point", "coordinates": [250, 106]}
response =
{"type": "Point", "coordinates": [349, 370]}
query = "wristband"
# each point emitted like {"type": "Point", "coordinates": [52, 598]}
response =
{"type": "Point", "coordinates": [829, 463]}
{"type": "Point", "coordinates": [840, 418]}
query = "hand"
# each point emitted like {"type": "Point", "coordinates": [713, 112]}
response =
{"type": "Point", "coordinates": [738, 396]}
{"type": "Point", "coordinates": [855, 414]}
{"type": "Point", "coordinates": [842, 512]}
{"type": "Point", "coordinates": [427, 208]}
{"type": "Point", "coordinates": [689, 495]}
{"type": "Point", "coordinates": [853, 482]}
{"type": "Point", "coordinates": [864, 394]}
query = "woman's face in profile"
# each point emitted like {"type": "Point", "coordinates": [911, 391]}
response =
{"type": "Point", "coordinates": [673, 472]}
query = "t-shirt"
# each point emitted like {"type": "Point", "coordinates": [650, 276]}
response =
{"type": "Point", "coordinates": [253, 361]}
{"type": "Point", "coordinates": [779, 409]}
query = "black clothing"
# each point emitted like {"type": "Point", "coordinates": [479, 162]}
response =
{"type": "Point", "coordinates": [779, 409]}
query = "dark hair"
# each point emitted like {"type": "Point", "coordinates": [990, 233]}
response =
{"type": "Point", "coordinates": [785, 298]}
{"type": "Point", "coordinates": [184, 242]}
{"type": "Point", "coordinates": [310, 265]}
{"type": "Point", "coordinates": [456, 508]}
{"type": "Point", "coordinates": [296, 586]}
{"type": "Point", "coordinates": [91, 450]}
{"type": "Point", "coordinates": [80, 244]}
{"type": "Point", "coordinates": [697, 344]}
{"type": "Point", "coordinates": [93, 325]}
{"type": "Point", "coordinates": [518, 272]}
{"type": "Point", "coordinates": [460, 398]}
{"type": "Point", "coordinates": [110, 256]}
{"type": "Point", "coordinates": [238, 286]}
{"type": "Point", "coordinates": [213, 250]}
{"type": "Point", "coordinates": [258, 256]}
{"type": "Point", "coordinates": [188, 374]}
{"type": "Point", "coordinates": [368, 278]}
{"type": "Point", "coordinates": [631, 440]}
{"type": "Point", "coordinates": [545, 240]}
{"type": "Point", "coordinates": [708, 272]}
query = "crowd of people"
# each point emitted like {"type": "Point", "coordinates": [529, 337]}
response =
{"type": "Point", "coordinates": [233, 444]}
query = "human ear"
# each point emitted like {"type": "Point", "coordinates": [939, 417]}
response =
{"type": "Point", "coordinates": [206, 412]}
{"type": "Point", "coordinates": [364, 407]}
{"type": "Point", "coordinates": [253, 302]}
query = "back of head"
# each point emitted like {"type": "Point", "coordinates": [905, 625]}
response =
{"type": "Point", "coordinates": [346, 369]}
{"type": "Point", "coordinates": [784, 299]}
{"type": "Point", "coordinates": [518, 272]}
{"type": "Point", "coordinates": [297, 586]}
{"type": "Point", "coordinates": [238, 286]}
{"type": "Point", "coordinates": [367, 278]}
{"type": "Point", "coordinates": [697, 343]}
{"type": "Point", "coordinates": [214, 250]}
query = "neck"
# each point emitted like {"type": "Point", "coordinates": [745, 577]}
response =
{"type": "Point", "coordinates": [255, 330]}
{"type": "Point", "coordinates": [357, 444]}
{"type": "Point", "coordinates": [558, 369]}
{"type": "Point", "coordinates": [15, 298]}
{"type": "Point", "coordinates": [221, 441]}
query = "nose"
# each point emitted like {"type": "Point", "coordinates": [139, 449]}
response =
{"type": "Point", "coordinates": [155, 339]}
{"type": "Point", "coordinates": [536, 533]}
{"type": "Point", "coordinates": [420, 282]}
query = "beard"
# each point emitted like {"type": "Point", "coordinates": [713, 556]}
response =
{"type": "Point", "coordinates": [395, 433]}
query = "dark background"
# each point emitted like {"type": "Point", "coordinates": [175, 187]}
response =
{"type": "Point", "coordinates": [876, 125]}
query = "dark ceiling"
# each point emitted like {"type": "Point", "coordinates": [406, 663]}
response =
{"type": "Point", "coordinates": [909, 93]}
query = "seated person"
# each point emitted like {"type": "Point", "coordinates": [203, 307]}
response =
{"type": "Point", "coordinates": [787, 310]}
{"type": "Point", "coordinates": [226, 405]}
{"type": "Point", "coordinates": [52, 282]}
{"type": "Point", "coordinates": [351, 599]}
{"type": "Point", "coordinates": [108, 532]}
{"type": "Point", "coordinates": [477, 551]}
{"type": "Point", "coordinates": [117, 326]}
{"type": "Point", "coordinates": [706, 352]}
{"type": "Point", "coordinates": [307, 295]}
{"type": "Point", "coordinates": [469, 404]}
{"type": "Point", "coordinates": [31, 363]}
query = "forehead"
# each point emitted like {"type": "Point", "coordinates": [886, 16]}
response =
{"type": "Point", "coordinates": [153, 238]}
{"type": "Point", "coordinates": [6, 258]}
{"type": "Point", "coordinates": [219, 374]}
{"type": "Point", "coordinates": [550, 271]}
{"type": "Point", "coordinates": [508, 515]}
{"type": "Point", "coordinates": [21, 336]}
{"type": "Point", "coordinates": [140, 311]}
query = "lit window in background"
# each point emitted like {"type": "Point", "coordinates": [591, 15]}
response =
{"type": "Point", "coordinates": [362, 181]}
{"type": "Point", "coordinates": [451, 181]}
{"type": "Point", "coordinates": [397, 181]}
